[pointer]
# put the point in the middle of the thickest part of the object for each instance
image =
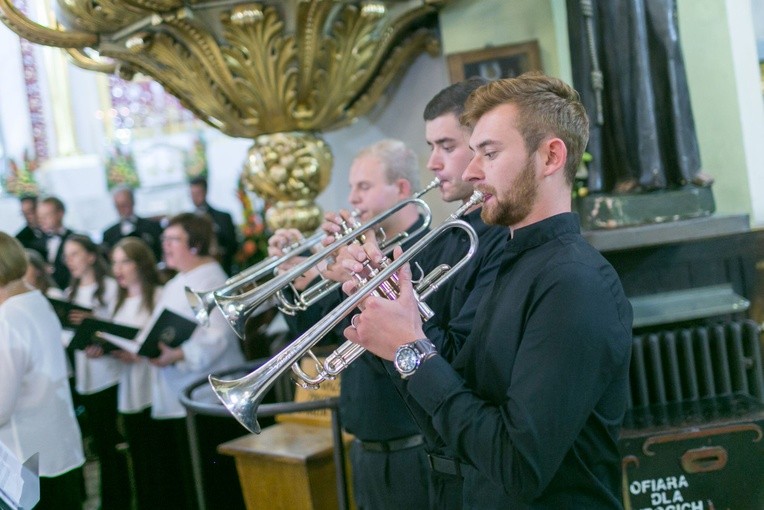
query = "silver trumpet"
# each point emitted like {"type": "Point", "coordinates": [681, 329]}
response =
{"type": "Point", "coordinates": [243, 396]}
{"type": "Point", "coordinates": [203, 302]}
{"type": "Point", "coordinates": [301, 301]}
{"type": "Point", "coordinates": [237, 308]}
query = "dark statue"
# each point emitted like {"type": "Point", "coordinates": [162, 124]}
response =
{"type": "Point", "coordinates": [628, 67]}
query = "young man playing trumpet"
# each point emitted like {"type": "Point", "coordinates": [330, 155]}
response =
{"type": "Point", "coordinates": [389, 464]}
{"type": "Point", "coordinates": [504, 405]}
{"type": "Point", "coordinates": [456, 302]}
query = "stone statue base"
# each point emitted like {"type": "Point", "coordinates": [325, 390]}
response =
{"type": "Point", "coordinates": [602, 211]}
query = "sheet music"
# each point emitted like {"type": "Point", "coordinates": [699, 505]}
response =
{"type": "Point", "coordinates": [122, 343]}
{"type": "Point", "coordinates": [11, 483]}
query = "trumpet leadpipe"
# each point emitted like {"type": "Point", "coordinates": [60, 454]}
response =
{"type": "Point", "coordinates": [242, 396]}
{"type": "Point", "coordinates": [348, 351]}
{"type": "Point", "coordinates": [236, 309]}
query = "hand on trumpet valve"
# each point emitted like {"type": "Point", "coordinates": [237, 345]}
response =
{"type": "Point", "coordinates": [283, 241]}
{"type": "Point", "coordinates": [385, 324]}
{"type": "Point", "coordinates": [359, 260]}
{"type": "Point", "coordinates": [338, 224]}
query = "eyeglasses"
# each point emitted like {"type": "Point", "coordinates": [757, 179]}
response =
{"type": "Point", "coordinates": [171, 239]}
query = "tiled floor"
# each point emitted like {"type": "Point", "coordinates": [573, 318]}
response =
{"type": "Point", "coordinates": [93, 501]}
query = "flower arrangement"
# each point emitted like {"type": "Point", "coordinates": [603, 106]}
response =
{"type": "Point", "coordinates": [20, 180]}
{"type": "Point", "coordinates": [120, 169]}
{"type": "Point", "coordinates": [254, 246]}
{"type": "Point", "coordinates": [195, 161]}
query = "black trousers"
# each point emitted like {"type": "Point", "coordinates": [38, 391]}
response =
{"type": "Point", "coordinates": [101, 411]}
{"type": "Point", "coordinates": [383, 480]}
{"type": "Point", "coordinates": [172, 463]}
{"type": "Point", "coordinates": [144, 447]}
{"type": "Point", "coordinates": [62, 492]}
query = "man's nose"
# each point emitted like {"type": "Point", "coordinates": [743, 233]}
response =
{"type": "Point", "coordinates": [473, 172]}
{"type": "Point", "coordinates": [434, 162]}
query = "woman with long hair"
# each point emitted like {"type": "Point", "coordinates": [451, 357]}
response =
{"type": "Point", "coordinates": [96, 376]}
{"type": "Point", "coordinates": [36, 411]}
{"type": "Point", "coordinates": [134, 268]}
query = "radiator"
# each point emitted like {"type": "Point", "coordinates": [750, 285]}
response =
{"type": "Point", "coordinates": [689, 364]}
{"type": "Point", "coordinates": [693, 435]}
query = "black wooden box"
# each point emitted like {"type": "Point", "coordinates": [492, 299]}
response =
{"type": "Point", "coordinates": [706, 454]}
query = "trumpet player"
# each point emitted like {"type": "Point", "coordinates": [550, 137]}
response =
{"type": "Point", "coordinates": [455, 303]}
{"type": "Point", "coordinates": [533, 402]}
{"type": "Point", "coordinates": [388, 460]}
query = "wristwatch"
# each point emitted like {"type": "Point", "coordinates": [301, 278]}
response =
{"type": "Point", "coordinates": [409, 356]}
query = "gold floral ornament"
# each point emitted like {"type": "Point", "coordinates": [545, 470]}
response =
{"type": "Point", "coordinates": [120, 169]}
{"type": "Point", "coordinates": [20, 181]}
{"type": "Point", "coordinates": [254, 246]}
{"type": "Point", "coordinates": [253, 68]}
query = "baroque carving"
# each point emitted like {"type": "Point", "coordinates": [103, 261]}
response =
{"type": "Point", "coordinates": [251, 68]}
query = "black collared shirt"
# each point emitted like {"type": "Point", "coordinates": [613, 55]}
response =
{"type": "Point", "coordinates": [535, 398]}
{"type": "Point", "coordinates": [456, 302]}
{"type": "Point", "coordinates": [370, 406]}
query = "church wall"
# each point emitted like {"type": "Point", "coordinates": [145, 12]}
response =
{"type": "Point", "coordinates": [727, 108]}
{"type": "Point", "coordinates": [722, 68]}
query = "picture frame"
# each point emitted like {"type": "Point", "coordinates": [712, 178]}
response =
{"type": "Point", "coordinates": [495, 62]}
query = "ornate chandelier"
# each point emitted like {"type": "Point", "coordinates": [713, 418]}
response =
{"type": "Point", "coordinates": [279, 72]}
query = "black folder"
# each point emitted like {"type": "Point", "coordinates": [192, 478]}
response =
{"type": "Point", "coordinates": [88, 333]}
{"type": "Point", "coordinates": [169, 328]}
{"type": "Point", "coordinates": [62, 309]}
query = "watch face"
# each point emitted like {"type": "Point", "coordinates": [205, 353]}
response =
{"type": "Point", "coordinates": [406, 360]}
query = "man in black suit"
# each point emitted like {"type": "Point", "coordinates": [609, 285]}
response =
{"type": "Point", "coordinates": [221, 222]}
{"type": "Point", "coordinates": [50, 214]}
{"type": "Point", "coordinates": [130, 225]}
{"type": "Point", "coordinates": [31, 236]}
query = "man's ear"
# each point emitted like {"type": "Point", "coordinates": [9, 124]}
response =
{"type": "Point", "coordinates": [553, 154]}
{"type": "Point", "coordinates": [404, 187]}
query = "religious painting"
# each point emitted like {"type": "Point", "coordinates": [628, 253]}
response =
{"type": "Point", "coordinates": [495, 62]}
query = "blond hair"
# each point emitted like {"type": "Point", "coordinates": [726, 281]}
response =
{"type": "Point", "coordinates": [546, 107]}
{"type": "Point", "coordinates": [13, 260]}
{"type": "Point", "coordinates": [400, 161]}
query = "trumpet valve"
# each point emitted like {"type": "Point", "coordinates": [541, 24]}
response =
{"type": "Point", "coordinates": [302, 383]}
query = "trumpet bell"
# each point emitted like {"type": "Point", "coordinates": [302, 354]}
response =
{"type": "Point", "coordinates": [241, 397]}
{"type": "Point", "coordinates": [201, 304]}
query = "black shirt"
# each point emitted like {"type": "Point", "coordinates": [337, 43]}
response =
{"type": "Point", "coordinates": [456, 302]}
{"type": "Point", "coordinates": [370, 406]}
{"type": "Point", "coordinates": [535, 398]}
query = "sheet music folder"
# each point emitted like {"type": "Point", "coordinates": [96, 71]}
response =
{"type": "Point", "coordinates": [169, 328]}
{"type": "Point", "coordinates": [91, 330]}
{"type": "Point", "coordinates": [19, 483]}
{"type": "Point", "coordinates": [62, 309]}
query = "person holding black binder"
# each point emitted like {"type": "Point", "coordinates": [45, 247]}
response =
{"type": "Point", "coordinates": [134, 269]}
{"type": "Point", "coordinates": [36, 412]}
{"type": "Point", "coordinates": [96, 377]}
{"type": "Point", "coordinates": [186, 243]}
